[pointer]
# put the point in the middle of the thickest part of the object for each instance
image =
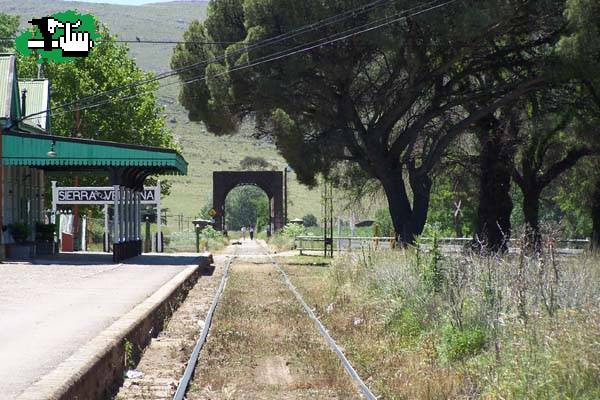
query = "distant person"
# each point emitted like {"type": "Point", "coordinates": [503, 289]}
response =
{"type": "Point", "coordinates": [251, 232]}
{"type": "Point", "coordinates": [243, 233]}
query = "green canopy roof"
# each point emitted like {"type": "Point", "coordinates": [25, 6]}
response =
{"type": "Point", "coordinates": [30, 149]}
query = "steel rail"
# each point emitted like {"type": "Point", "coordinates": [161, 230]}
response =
{"type": "Point", "coordinates": [191, 365]}
{"type": "Point", "coordinates": [324, 333]}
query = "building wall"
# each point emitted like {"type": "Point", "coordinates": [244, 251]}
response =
{"type": "Point", "coordinates": [23, 198]}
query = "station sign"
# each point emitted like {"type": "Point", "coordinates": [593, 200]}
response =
{"type": "Point", "coordinates": [99, 195]}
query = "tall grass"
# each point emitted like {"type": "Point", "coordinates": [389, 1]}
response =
{"type": "Point", "coordinates": [523, 326]}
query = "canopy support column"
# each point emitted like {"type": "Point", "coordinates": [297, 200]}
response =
{"type": "Point", "coordinates": [116, 222]}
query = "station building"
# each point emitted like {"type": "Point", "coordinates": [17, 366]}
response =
{"type": "Point", "coordinates": [29, 152]}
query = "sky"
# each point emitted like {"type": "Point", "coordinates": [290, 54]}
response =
{"type": "Point", "coordinates": [127, 2]}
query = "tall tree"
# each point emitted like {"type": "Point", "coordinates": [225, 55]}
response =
{"type": "Point", "coordinates": [136, 118]}
{"type": "Point", "coordinates": [496, 137]}
{"type": "Point", "coordinates": [580, 49]}
{"type": "Point", "coordinates": [8, 27]}
{"type": "Point", "coordinates": [391, 101]}
{"type": "Point", "coordinates": [131, 115]}
{"type": "Point", "coordinates": [551, 144]}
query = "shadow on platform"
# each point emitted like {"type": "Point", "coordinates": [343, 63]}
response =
{"type": "Point", "coordinates": [91, 258]}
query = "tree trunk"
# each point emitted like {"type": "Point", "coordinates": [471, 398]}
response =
{"type": "Point", "coordinates": [400, 208]}
{"type": "Point", "coordinates": [421, 187]}
{"type": "Point", "coordinates": [493, 226]}
{"type": "Point", "coordinates": [531, 213]}
{"type": "Point", "coordinates": [596, 217]}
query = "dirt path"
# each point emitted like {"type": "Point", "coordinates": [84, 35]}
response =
{"type": "Point", "coordinates": [262, 345]}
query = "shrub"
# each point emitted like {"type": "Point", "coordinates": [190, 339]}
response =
{"type": "Point", "coordinates": [293, 230]}
{"type": "Point", "coordinates": [44, 233]}
{"type": "Point", "coordinates": [211, 233]}
{"type": "Point", "coordinates": [383, 219]}
{"type": "Point", "coordinates": [309, 220]}
{"type": "Point", "coordinates": [459, 343]}
{"type": "Point", "coordinates": [406, 322]}
{"type": "Point", "coordinates": [20, 232]}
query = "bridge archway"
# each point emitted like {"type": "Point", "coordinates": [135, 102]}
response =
{"type": "Point", "coordinates": [271, 182]}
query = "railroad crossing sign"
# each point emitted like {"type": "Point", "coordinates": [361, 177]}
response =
{"type": "Point", "coordinates": [212, 212]}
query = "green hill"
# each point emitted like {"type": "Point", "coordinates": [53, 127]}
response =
{"type": "Point", "coordinates": [205, 152]}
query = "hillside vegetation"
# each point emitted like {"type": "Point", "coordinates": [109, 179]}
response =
{"type": "Point", "coordinates": [204, 152]}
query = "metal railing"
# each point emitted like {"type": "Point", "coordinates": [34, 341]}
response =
{"type": "Point", "coordinates": [347, 243]}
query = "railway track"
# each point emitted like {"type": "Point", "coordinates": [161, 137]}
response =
{"type": "Point", "coordinates": [331, 346]}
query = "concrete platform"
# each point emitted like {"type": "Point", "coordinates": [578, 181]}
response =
{"type": "Point", "coordinates": [51, 309]}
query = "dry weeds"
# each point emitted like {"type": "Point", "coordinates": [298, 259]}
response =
{"type": "Point", "coordinates": [263, 346]}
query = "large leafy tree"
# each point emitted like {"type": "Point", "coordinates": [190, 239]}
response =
{"type": "Point", "coordinates": [552, 136]}
{"type": "Point", "coordinates": [8, 27]}
{"type": "Point", "coordinates": [390, 101]}
{"type": "Point", "coordinates": [131, 115]}
{"type": "Point", "coordinates": [580, 50]}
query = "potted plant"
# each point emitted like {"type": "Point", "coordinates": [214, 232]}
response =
{"type": "Point", "coordinates": [22, 248]}
{"type": "Point", "coordinates": [44, 238]}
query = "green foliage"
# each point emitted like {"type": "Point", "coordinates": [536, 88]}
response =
{"type": "Point", "coordinates": [44, 232]}
{"type": "Point", "coordinates": [309, 220]}
{"type": "Point", "coordinates": [8, 27]}
{"type": "Point", "coordinates": [453, 203]}
{"type": "Point", "coordinates": [293, 230]}
{"type": "Point", "coordinates": [20, 232]}
{"type": "Point", "coordinates": [460, 343]}
{"type": "Point", "coordinates": [432, 273]}
{"type": "Point", "coordinates": [384, 223]}
{"type": "Point", "coordinates": [255, 163]}
{"type": "Point", "coordinates": [406, 322]}
{"type": "Point", "coordinates": [211, 233]}
{"type": "Point", "coordinates": [109, 65]}
{"type": "Point", "coordinates": [245, 206]}
{"type": "Point", "coordinates": [128, 359]}
{"type": "Point", "coordinates": [319, 106]}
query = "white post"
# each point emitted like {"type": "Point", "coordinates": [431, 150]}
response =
{"type": "Point", "coordinates": [138, 214]}
{"type": "Point", "coordinates": [127, 215]}
{"type": "Point", "coordinates": [106, 246]}
{"type": "Point", "coordinates": [83, 232]}
{"type": "Point", "coordinates": [54, 201]}
{"type": "Point", "coordinates": [116, 215]}
{"type": "Point", "coordinates": [131, 214]}
{"type": "Point", "coordinates": [158, 219]}
{"type": "Point", "coordinates": [121, 214]}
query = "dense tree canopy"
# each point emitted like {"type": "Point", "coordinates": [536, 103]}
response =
{"type": "Point", "coordinates": [390, 101]}
{"type": "Point", "coordinates": [8, 26]}
{"type": "Point", "coordinates": [124, 116]}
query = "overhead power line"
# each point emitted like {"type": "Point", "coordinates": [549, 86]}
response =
{"type": "Point", "coordinates": [257, 45]}
{"type": "Point", "coordinates": [146, 41]}
{"type": "Point", "coordinates": [269, 58]}
{"type": "Point", "coordinates": [289, 52]}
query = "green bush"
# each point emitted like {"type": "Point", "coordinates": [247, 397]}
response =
{"type": "Point", "coordinates": [211, 233]}
{"type": "Point", "coordinates": [383, 219]}
{"type": "Point", "coordinates": [460, 343]}
{"type": "Point", "coordinates": [293, 230]}
{"type": "Point", "coordinates": [20, 232]}
{"type": "Point", "coordinates": [44, 233]}
{"type": "Point", "coordinates": [406, 323]}
{"type": "Point", "coordinates": [309, 220]}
